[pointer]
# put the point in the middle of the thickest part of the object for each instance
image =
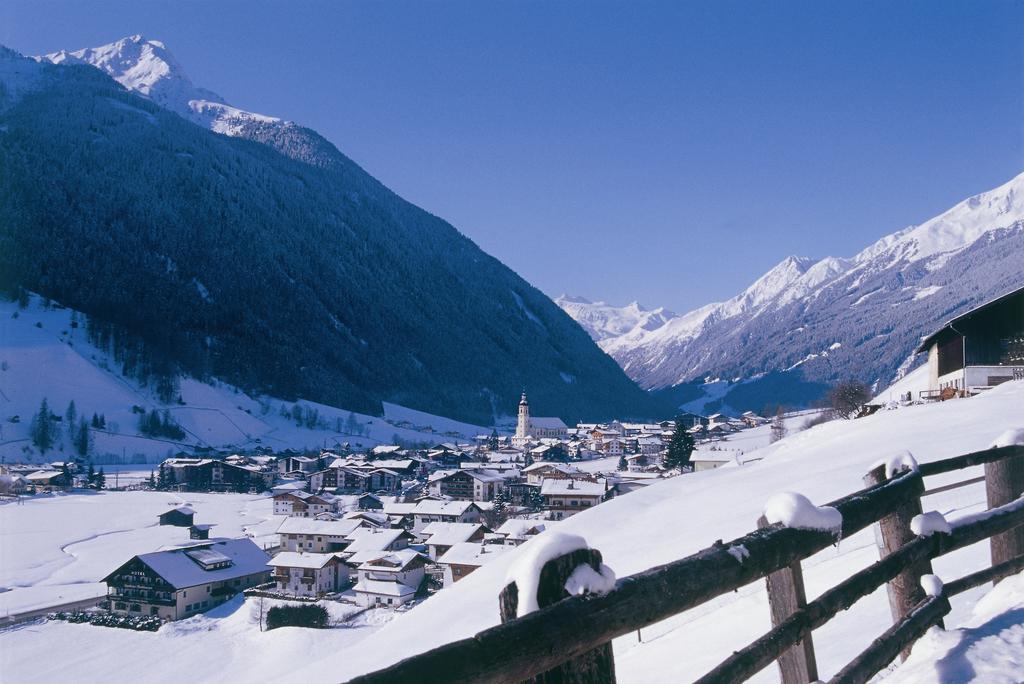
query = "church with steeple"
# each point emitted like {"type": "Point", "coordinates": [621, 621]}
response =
{"type": "Point", "coordinates": [534, 429]}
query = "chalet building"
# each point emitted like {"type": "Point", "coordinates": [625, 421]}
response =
{"type": "Point", "coordinates": [308, 574]}
{"type": "Point", "coordinates": [182, 516]}
{"type": "Point", "coordinates": [200, 531]}
{"type": "Point", "coordinates": [464, 558]}
{"type": "Point", "coordinates": [471, 484]}
{"type": "Point", "coordinates": [316, 536]}
{"type": "Point", "coordinates": [538, 472]}
{"type": "Point", "coordinates": [369, 543]}
{"type": "Point", "coordinates": [390, 579]}
{"type": "Point", "coordinates": [208, 474]}
{"type": "Point", "coordinates": [428, 511]}
{"type": "Point", "coordinates": [298, 464]}
{"type": "Point", "coordinates": [564, 498]}
{"type": "Point", "coordinates": [709, 462]}
{"type": "Point", "coordinates": [49, 480]}
{"type": "Point", "coordinates": [354, 479]}
{"type": "Point", "coordinates": [979, 349]}
{"type": "Point", "coordinates": [303, 504]}
{"type": "Point", "coordinates": [521, 493]}
{"type": "Point", "coordinates": [514, 531]}
{"type": "Point", "coordinates": [370, 502]}
{"type": "Point", "coordinates": [439, 537]}
{"type": "Point", "coordinates": [181, 582]}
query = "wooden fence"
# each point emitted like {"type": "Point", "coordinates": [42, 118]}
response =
{"type": "Point", "coordinates": [569, 638]}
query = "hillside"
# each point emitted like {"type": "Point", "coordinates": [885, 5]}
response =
{"type": "Point", "coordinates": [685, 514]}
{"type": "Point", "coordinates": [822, 320]}
{"type": "Point", "coordinates": [43, 355]}
{"type": "Point", "coordinates": [280, 267]}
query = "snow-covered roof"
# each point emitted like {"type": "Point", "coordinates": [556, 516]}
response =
{"type": "Point", "coordinates": [517, 528]}
{"type": "Point", "coordinates": [396, 508]}
{"type": "Point", "coordinates": [572, 487]}
{"type": "Point", "coordinates": [434, 507]}
{"type": "Point", "coordinates": [42, 475]}
{"type": "Point", "coordinates": [184, 510]}
{"type": "Point", "coordinates": [449, 533]}
{"type": "Point", "coordinates": [397, 559]}
{"type": "Point", "coordinates": [297, 559]}
{"type": "Point", "coordinates": [373, 539]}
{"type": "Point", "coordinates": [551, 423]}
{"type": "Point", "coordinates": [180, 570]}
{"type": "Point", "coordinates": [472, 553]}
{"type": "Point", "coordinates": [332, 528]}
{"type": "Point", "coordinates": [383, 587]}
{"type": "Point", "coordinates": [560, 467]}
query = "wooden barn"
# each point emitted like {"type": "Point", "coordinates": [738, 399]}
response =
{"type": "Point", "coordinates": [978, 349]}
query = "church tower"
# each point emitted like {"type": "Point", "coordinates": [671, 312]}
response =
{"type": "Point", "coordinates": [523, 424]}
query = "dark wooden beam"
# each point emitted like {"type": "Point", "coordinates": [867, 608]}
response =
{"type": "Point", "coordinates": [991, 574]}
{"type": "Point", "coordinates": [900, 636]}
{"type": "Point", "coordinates": [904, 590]}
{"type": "Point", "coordinates": [1004, 483]}
{"type": "Point", "coordinates": [948, 465]}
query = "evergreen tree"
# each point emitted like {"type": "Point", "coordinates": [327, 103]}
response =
{"type": "Point", "coordinates": [499, 513]}
{"type": "Point", "coordinates": [82, 438]}
{"type": "Point", "coordinates": [680, 447]}
{"type": "Point", "coordinates": [101, 479]}
{"type": "Point", "coordinates": [42, 428]}
{"type": "Point", "coordinates": [71, 418]}
{"type": "Point", "coordinates": [161, 481]}
{"type": "Point", "coordinates": [151, 481]}
{"type": "Point", "coordinates": [22, 298]}
{"type": "Point", "coordinates": [492, 441]}
{"type": "Point", "coordinates": [95, 421]}
{"type": "Point", "coordinates": [535, 500]}
{"type": "Point", "coordinates": [90, 475]}
{"type": "Point", "coordinates": [623, 463]}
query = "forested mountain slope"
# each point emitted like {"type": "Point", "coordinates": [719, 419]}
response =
{"type": "Point", "coordinates": [295, 274]}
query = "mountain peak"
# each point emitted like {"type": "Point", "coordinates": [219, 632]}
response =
{"type": "Point", "coordinates": [147, 67]}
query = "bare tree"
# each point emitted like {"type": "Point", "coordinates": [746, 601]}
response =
{"type": "Point", "coordinates": [778, 428]}
{"type": "Point", "coordinates": [848, 397]}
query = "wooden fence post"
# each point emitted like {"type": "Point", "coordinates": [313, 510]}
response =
{"type": "Point", "coordinates": [905, 590]}
{"type": "Point", "coordinates": [1004, 482]}
{"type": "Point", "coordinates": [786, 596]}
{"type": "Point", "coordinates": [593, 667]}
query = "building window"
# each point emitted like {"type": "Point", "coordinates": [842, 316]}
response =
{"type": "Point", "coordinates": [153, 610]}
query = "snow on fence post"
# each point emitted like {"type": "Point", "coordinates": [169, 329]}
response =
{"type": "Point", "coordinates": [786, 596]}
{"type": "Point", "coordinates": [904, 590]}
{"type": "Point", "coordinates": [1004, 482]}
{"type": "Point", "coordinates": [596, 666]}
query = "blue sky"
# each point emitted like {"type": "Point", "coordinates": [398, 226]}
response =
{"type": "Point", "coordinates": [666, 152]}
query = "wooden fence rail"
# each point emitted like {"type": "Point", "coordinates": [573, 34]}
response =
{"type": "Point", "coordinates": [523, 648]}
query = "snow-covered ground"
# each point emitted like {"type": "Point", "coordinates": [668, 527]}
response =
{"type": "Point", "coordinates": [55, 549]}
{"type": "Point", "coordinates": [222, 645]}
{"type": "Point", "coordinates": [634, 532]}
{"type": "Point", "coordinates": [43, 356]}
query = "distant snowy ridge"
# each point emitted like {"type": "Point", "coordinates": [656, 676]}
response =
{"type": "Point", "coordinates": [149, 69]}
{"type": "Point", "coordinates": [875, 305]}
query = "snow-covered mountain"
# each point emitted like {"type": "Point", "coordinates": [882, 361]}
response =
{"type": "Point", "coordinates": [149, 69]}
{"type": "Point", "coordinates": [832, 318]}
